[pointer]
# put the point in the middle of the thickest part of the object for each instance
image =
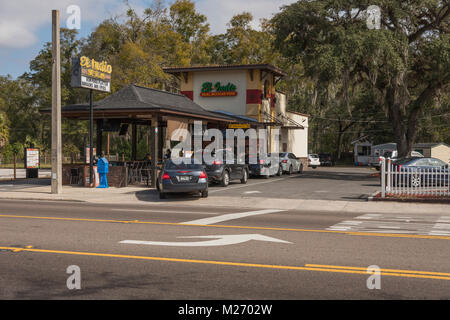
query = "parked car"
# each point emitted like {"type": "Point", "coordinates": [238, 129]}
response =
{"type": "Point", "coordinates": [222, 172]}
{"type": "Point", "coordinates": [290, 163]}
{"type": "Point", "coordinates": [264, 167]}
{"type": "Point", "coordinates": [313, 160]}
{"type": "Point", "coordinates": [186, 177]}
{"type": "Point", "coordinates": [326, 159]}
{"type": "Point", "coordinates": [375, 161]}
{"type": "Point", "coordinates": [420, 171]}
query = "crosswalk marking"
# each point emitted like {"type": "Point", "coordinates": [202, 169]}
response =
{"type": "Point", "coordinates": [420, 224]}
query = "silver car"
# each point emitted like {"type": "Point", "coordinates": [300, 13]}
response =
{"type": "Point", "coordinates": [290, 163]}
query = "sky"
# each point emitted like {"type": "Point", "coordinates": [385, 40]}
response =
{"type": "Point", "coordinates": [25, 25]}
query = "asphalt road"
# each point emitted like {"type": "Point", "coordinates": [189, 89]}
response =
{"type": "Point", "coordinates": [218, 253]}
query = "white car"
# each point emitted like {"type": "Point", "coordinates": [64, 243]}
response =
{"type": "Point", "coordinates": [313, 160]}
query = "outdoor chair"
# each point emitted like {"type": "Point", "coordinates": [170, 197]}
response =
{"type": "Point", "coordinates": [75, 174]}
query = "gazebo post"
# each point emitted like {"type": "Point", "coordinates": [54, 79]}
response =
{"type": "Point", "coordinates": [134, 141]}
{"type": "Point", "coordinates": [154, 149]}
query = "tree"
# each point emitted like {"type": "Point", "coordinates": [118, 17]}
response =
{"type": "Point", "coordinates": [242, 44]}
{"type": "Point", "coordinates": [406, 63]}
{"type": "Point", "coordinates": [187, 22]}
{"type": "Point", "coordinates": [17, 104]}
{"type": "Point", "coordinates": [4, 130]}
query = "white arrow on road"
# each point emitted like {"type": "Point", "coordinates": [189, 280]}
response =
{"type": "Point", "coordinates": [220, 240]}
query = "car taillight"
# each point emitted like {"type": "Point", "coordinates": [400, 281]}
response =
{"type": "Point", "coordinates": [309, 160]}
{"type": "Point", "coordinates": [165, 176]}
{"type": "Point", "coordinates": [285, 161]}
{"type": "Point", "coordinates": [217, 162]}
{"type": "Point", "coordinates": [203, 175]}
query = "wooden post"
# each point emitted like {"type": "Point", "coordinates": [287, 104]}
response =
{"type": "Point", "coordinates": [107, 148]}
{"type": "Point", "coordinates": [134, 142]}
{"type": "Point", "coordinates": [154, 149]}
{"type": "Point", "coordinates": [56, 107]}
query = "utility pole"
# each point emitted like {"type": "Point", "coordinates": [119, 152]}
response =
{"type": "Point", "coordinates": [56, 106]}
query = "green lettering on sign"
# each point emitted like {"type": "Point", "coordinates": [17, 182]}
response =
{"type": "Point", "coordinates": [217, 90]}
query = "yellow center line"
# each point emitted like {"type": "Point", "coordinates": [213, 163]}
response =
{"type": "Point", "coordinates": [352, 233]}
{"type": "Point", "coordinates": [381, 270]}
{"type": "Point", "coordinates": [225, 263]}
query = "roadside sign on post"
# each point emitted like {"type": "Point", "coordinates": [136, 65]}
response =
{"type": "Point", "coordinates": [31, 158]}
{"type": "Point", "coordinates": [91, 74]}
{"type": "Point", "coordinates": [32, 162]}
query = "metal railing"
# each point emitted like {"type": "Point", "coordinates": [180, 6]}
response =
{"type": "Point", "coordinates": [414, 181]}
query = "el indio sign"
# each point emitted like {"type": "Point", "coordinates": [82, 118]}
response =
{"type": "Point", "coordinates": [91, 74]}
{"type": "Point", "coordinates": [218, 90]}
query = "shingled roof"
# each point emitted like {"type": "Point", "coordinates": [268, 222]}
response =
{"type": "Point", "coordinates": [138, 98]}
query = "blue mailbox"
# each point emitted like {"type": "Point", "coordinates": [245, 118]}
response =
{"type": "Point", "coordinates": [103, 169]}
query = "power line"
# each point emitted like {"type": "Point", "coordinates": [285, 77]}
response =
{"type": "Point", "coordinates": [373, 121]}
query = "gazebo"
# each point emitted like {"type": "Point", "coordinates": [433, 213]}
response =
{"type": "Point", "coordinates": [163, 112]}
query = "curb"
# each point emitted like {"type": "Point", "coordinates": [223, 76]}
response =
{"type": "Point", "coordinates": [43, 199]}
{"type": "Point", "coordinates": [411, 200]}
{"type": "Point", "coordinates": [373, 196]}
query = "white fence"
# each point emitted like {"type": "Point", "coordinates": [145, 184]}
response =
{"type": "Point", "coordinates": [414, 181]}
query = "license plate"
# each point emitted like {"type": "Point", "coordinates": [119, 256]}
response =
{"type": "Point", "coordinates": [184, 178]}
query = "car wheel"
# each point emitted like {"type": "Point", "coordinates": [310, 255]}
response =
{"type": "Point", "coordinates": [225, 179]}
{"type": "Point", "coordinates": [314, 167]}
{"type": "Point", "coordinates": [290, 170]}
{"type": "Point", "coordinates": [416, 181]}
{"type": "Point", "coordinates": [244, 177]}
{"type": "Point", "coordinates": [162, 195]}
{"type": "Point", "coordinates": [205, 194]}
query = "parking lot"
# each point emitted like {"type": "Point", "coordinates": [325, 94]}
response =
{"type": "Point", "coordinates": [323, 183]}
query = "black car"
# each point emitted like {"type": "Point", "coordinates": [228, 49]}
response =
{"type": "Point", "coordinates": [262, 167]}
{"type": "Point", "coordinates": [417, 172]}
{"type": "Point", "coordinates": [185, 177]}
{"type": "Point", "coordinates": [220, 171]}
{"type": "Point", "coordinates": [326, 159]}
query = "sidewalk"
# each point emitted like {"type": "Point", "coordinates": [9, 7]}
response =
{"type": "Point", "coordinates": [145, 196]}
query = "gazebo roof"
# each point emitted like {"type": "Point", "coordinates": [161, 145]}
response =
{"type": "Point", "coordinates": [138, 99]}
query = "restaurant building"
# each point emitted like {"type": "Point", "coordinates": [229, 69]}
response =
{"type": "Point", "coordinates": [247, 91]}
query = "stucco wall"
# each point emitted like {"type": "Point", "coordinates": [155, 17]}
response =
{"type": "Point", "coordinates": [236, 105]}
{"type": "Point", "coordinates": [441, 152]}
{"type": "Point", "coordinates": [298, 138]}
